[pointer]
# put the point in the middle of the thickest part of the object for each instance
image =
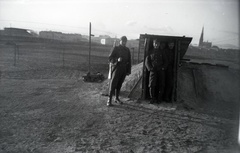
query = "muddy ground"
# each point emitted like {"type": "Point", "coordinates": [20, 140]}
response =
{"type": "Point", "coordinates": [51, 110]}
{"type": "Point", "coordinates": [67, 115]}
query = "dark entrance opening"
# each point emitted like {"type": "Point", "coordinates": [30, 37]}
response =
{"type": "Point", "coordinates": [180, 48]}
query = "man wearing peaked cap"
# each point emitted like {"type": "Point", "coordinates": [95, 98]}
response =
{"type": "Point", "coordinates": [120, 62]}
{"type": "Point", "coordinates": [156, 63]}
{"type": "Point", "coordinates": [123, 38]}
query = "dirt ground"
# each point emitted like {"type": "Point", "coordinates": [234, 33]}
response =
{"type": "Point", "coordinates": [53, 111]}
{"type": "Point", "coordinates": [64, 114]}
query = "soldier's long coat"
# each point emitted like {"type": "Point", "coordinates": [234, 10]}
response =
{"type": "Point", "coordinates": [119, 69]}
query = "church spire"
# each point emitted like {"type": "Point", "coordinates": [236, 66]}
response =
{"type": "Point", "coordinates": [201, 38]}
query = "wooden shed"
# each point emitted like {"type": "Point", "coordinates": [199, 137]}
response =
{"type": "Point", "coordinates": [146, 44]}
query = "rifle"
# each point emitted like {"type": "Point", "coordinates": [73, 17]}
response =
{"type": "Point", "coordinates": [111, 70]}
{"type": "Point", "coordinates": [110, 65]}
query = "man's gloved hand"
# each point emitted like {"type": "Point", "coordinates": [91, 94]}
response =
{"type": "Point", "coordinates": [119, 59]}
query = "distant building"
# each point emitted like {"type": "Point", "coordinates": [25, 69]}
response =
{"type": "Point", "coordinates": [17, 32]}
{"type": "Point", "coordinates": [216, 48]}
{"type": "Point", "coordinates": [103, 39]}
{"type": "Point", "coordinates": [107, 40]}
{"type": "Point", "coordinates": [207, 44]}
{"type": "Point", "coordinates": [104, 36]}
{"type": "Point", "coordinates": [60, 36]}
{"type": "Point", "coordinates": [202, 43]}
{"type": "Point", "coordinates": [201, 38]}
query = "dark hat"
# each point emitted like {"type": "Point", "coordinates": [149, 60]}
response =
{"type": "Point", "coordinates": [155, 40]}
{"type": "Point", "coordinates": [171, 41]}
{"type": "Point", "coordinates": [123, 38]}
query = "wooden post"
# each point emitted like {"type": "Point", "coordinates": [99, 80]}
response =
{"type": "Point", "coordinates": [178, 63]}
{"type": "Point", "coordinates": [132, 55]}
{"type": "Point", "coordinates": [175, 67]}
{"type": "Point", "coordinates": [138, 56]}
{"type": "Point", "coordinates": [89, 56]}
{"type": "Point", "coordinates": [144, 85]}
{"type": "Point", "coordinates": [175, 70]}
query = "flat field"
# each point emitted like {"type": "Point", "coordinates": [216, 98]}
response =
{"type": "Point", "coordinates": [45, 107]}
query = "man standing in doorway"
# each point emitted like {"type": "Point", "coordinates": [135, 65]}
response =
{"type": "Point", "coordinates": [156, 63]}
{"type": "Point", "coordinates": [120, 60]}
{"type": "Point", "coordinates": [169, 72]}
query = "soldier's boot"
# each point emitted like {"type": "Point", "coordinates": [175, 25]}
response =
{"type": "Point", "coordinates": [152, 95]}
{"type": "Point", "coordinates": [159, 99]}
{"type": "Point", "coordinates": [117, 100]}
{"type": "Point", "coordinates": [109, 102]}
{"type": "Point", "coordinates": [167, 95]}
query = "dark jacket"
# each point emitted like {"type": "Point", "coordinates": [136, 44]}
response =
{"type": "Point", "coordinates": [157, 60]}
{"type": "Point", "coordinates": [121, 52]}
{"type": "Point", "coordinates": [170, 56]}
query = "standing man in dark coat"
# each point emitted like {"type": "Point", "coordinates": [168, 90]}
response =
{"type": "Point", "coordinates": [156, 63]}
{"type": "Point", "coordinates": [120, 60]}
{"type": "Point", "coordinates": [169, 72]}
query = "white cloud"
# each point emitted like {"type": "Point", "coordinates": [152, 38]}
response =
{"type": "Point", "coordinates": [131, 23]}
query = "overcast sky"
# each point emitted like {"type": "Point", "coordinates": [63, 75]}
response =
{"type": "Point", "coordinates": [220, 18]}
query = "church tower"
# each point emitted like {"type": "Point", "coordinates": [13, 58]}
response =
{"type": "Point", "coordinates": [201, 38]}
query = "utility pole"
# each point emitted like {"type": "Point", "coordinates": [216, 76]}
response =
{"type": "Point", "coordinates": [89, 56]}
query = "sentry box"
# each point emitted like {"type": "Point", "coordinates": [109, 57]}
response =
{"type": "Point", "coordinates": [146, 45]}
